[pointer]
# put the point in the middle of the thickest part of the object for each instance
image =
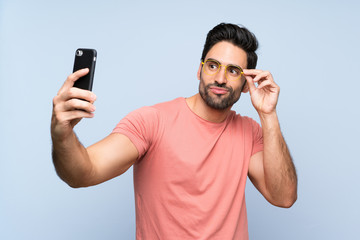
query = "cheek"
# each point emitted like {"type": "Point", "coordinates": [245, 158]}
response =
{"type": "Point", "coordinates": [236, 87]}
{"type": "Point", "coordinates": [201, 83]}
{"type": "Point", "coordinates": [203, 79]}
{"type": "Point", "coordinates": [241, 85]}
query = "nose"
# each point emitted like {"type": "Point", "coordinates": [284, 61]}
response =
{"type": "Point", "coordinates": [220, 76]}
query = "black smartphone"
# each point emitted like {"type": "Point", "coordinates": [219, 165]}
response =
{"type": "Point", "coordinates": [85, 58]}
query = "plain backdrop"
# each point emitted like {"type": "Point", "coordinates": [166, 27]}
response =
{"type": "Point", "coordinates": [149, 52]}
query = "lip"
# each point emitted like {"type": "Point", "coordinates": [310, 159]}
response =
{"type": "Point", "coordinates": [218, 90]}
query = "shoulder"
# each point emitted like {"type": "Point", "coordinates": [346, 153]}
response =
{"type": "Point", "coordinates": [155, 112]}
{"type": "Point", "coordinates": [170, 105]}
{"type": "Point", "coordinates": [245, 120]}
{"type": "Point", "coordinates": [247, 124]}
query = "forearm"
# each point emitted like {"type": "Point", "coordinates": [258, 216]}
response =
{"type": "Point", "coordinates": [71, 161]}
{"type": "Point", "coordinates": [279, 171]}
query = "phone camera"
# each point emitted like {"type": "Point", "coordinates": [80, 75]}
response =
{"type": "Point", "coordinates": [79, 53]}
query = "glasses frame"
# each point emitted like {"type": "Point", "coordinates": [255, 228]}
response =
{"type": "Point", "coordinates": [221, 65]}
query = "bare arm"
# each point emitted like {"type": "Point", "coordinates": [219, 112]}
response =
{"type": "Point", "coordinates": [77, 166]}
{"type": "Point", "coordinates": [272, 171]}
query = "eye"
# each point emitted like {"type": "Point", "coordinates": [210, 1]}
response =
{"type": "Point", "coordinates": [212, 65]}
{"type": "Point", "coordinates": [234, 71]}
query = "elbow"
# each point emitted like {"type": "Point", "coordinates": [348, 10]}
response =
{"type": "Point", "coordinates": [287, 202]}
{"type": "Point", "coordinates": [283, 199]}
{"type": "Point", "coordinates": [75, 180]}
{"type": "Point", "coordinates": [78, 184]}
{"type": "Point", "coordinates": [74, 183]}
{"type": "Point", "coordinates": [286, 198]}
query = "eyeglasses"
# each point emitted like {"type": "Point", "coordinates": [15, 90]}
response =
{"type": "Point", "coordinates": [232, 72]}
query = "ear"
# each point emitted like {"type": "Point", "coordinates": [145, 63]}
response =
{"type": "Point", "coordinates": [199, 71]}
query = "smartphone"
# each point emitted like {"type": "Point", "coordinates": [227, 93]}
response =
{"type": "Point", "coordinates": [85, 58]}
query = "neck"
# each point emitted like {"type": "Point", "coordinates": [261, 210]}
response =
{"type": "Point", "coordinates": [200, 108]}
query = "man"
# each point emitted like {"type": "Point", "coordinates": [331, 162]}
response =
{"type": "Point", "coordinates": [191, 156]}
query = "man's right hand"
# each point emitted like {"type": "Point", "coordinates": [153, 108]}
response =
{"type": "Point", "coordinates": [70, 105]}
{"type": "Point", "coordinates": [76, 165]}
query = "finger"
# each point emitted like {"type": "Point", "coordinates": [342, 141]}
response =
{"type": "Point", "coordinates": [60, 118]}
{"type": "Point", "coordinates": [269, 83]}
{"type": "Point", "coordinates": [263, 84]}
{"type": "Point", "coordinates": [77, 93]}
{"type": "Point", "coordinates": [259, 74]}
{"type": "Point", "coordinates": [69, 82]}
{"type": "Point", "coordinates": [250, 83]}
{"type": "Point", "coordinates": [263, 75]}
{"type": "Point", "coordinates": [62, 103]}
{"type": "Point", "coordinates": [251, 71]}
{"type": "Point", "coordinates": [77, 114]}
{"type": "Point", "coordinates": [77, 104]}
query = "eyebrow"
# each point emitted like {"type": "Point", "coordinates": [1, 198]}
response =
{"type": "Point", "coordinates": [212, 59]}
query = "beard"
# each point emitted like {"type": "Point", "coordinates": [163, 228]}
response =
{"type": "Point", "coordinates": [219, 101]}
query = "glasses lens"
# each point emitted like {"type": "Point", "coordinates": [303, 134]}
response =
{"type": "Point", "coordinates": [233, 72]}
{"type": "Point", "coordinates": [211, 67]}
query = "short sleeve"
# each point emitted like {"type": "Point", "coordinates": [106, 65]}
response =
{"type": "Point", "coordinates": [258, 141]}
{"type": "Point", "coordinates": [140, 126]}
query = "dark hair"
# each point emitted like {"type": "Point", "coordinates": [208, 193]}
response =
{"type": "Point", "coordinates": [239, 36]}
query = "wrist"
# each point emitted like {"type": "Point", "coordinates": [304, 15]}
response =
{"type": "Point", "coordinates": [269, 120]}
{"type": "Point", "coordinates": [62, 138]}
{"type": "Point", "coordinates": [268, 116]}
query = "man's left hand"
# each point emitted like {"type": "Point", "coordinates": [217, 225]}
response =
{"type": "Point", "coordinates": [265, 95]}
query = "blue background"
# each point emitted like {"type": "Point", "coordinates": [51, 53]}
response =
{"type": "Point", "coordinates": [148, 52]}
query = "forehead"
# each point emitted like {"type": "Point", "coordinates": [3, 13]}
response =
{"type": "Point", "coordinates": [227, 53]}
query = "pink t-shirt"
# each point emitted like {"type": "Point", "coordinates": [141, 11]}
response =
{"type": "Point", "coordinates": [190, 176]}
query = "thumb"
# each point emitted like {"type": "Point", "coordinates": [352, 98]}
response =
{"type": "Point", "coordinates": [250, 83]}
